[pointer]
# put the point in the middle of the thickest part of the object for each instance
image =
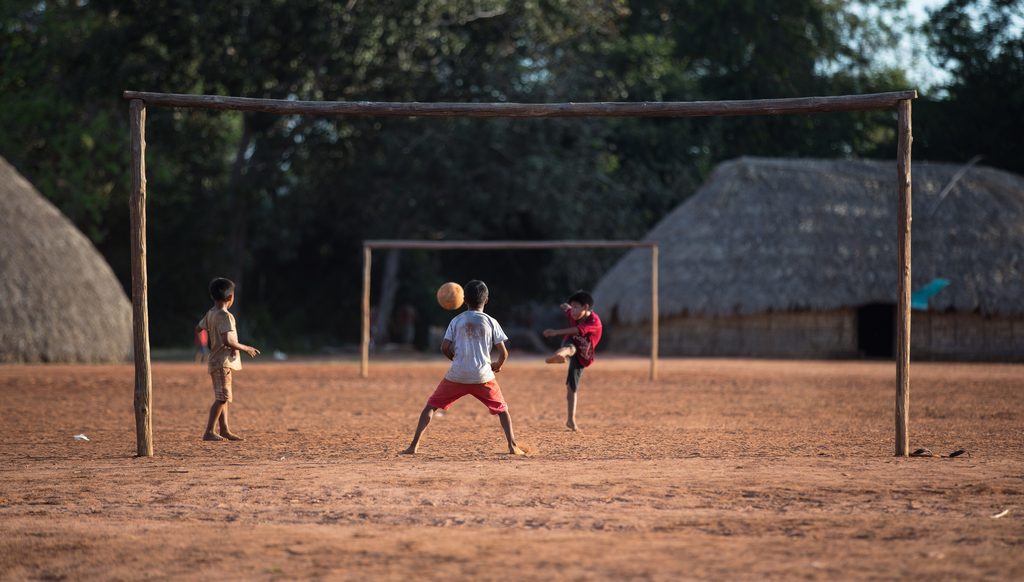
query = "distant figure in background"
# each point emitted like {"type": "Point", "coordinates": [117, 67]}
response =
{"type": "Point", "coordinates": [202, 342]}
{"type": "Point", "coordinates": [405, 323]}
{"type": "Point", "coordinates": [578, 346]}
{"type": "Point", "coordinates": [219, 324]}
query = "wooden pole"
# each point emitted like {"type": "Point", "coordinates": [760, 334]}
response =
{"type": "Point", "coordinates": [608, 109]}
{"type": "Point", "coordinates": [654, 312]}
{"type": "Point", "coordinates": [903, 290]}
{"type": "Point", "coordinates": [364, 363]}
{"type": "Point", "coordinates": [140, 291]}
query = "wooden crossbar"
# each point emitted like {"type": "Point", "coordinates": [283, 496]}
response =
{"type": "Point", "coordinates": [606, 109]}
{"type": "Point", "coordinates": [507, 244]}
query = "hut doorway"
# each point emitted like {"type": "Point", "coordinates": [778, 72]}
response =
{"type": "Point", "coordinates": [876, 330]}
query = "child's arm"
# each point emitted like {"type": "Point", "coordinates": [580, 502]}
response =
{"type": "Point", "coordinates": [231, 341]}
{"type": "Point", "coordinates": [447, 348]}
{"type": "Point", "coordinates": [563, 331]}
{"type": "Point", "coordinates": [502, 356]}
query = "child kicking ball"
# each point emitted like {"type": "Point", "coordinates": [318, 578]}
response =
{"type": "Point", "coordinates": [578, 346]}
{"type": "Point", "coordinates": [468, 343]}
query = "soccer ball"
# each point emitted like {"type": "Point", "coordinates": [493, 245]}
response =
{"type": "Point", "coordinates": [450, 296]}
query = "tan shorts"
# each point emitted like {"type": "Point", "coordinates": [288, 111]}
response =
{"type": "Point", "coordinates": [221, 384]}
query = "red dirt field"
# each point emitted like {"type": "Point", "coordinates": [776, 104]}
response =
{"type": "Point", "coordinates": [723, 469]}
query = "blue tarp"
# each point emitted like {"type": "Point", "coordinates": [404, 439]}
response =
{"type": "Point", "coordinates": [919, 299]}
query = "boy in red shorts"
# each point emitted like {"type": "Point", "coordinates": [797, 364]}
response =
{"type": "Point", "coordinates": [578, 346]}
{"type": "Point", "coordinates": [467, 343]}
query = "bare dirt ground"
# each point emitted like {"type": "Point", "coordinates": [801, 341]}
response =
{"type": "Point", "coordinates": [723, 469]}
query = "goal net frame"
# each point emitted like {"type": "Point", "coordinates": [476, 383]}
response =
{"type": "Point", "coordinates": [900, 101]}
{"type": "Point", "coordinates": [370, 245]}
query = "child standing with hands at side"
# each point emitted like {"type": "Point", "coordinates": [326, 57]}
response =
{"type": "Point", "coordinates": [578, 346]}
{"type": "Point", "coordinates": [219, 324]}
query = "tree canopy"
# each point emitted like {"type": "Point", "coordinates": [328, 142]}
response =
{"type": "Point", "coordinates": [281, 204]}
{"type": "Point", "coordinates": [981, 44]}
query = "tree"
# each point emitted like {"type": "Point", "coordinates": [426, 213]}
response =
{"type": "Point", "coordinates": [281, 203]}
{"type": "Point", "coordinates": [981, 44]}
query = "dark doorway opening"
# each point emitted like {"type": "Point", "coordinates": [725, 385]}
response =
{"type": "Point", "coordinates": [876, 330]}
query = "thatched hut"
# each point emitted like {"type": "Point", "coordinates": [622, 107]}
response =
{"type": "Point", "coordinates": [797, 258]}
{"type": "Point", "coordinates": [59, 300]}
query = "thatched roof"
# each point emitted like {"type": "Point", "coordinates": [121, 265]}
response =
{"type": "Point", "coordinates": [765, 235]}
{"type": "Point", "coordinates": [59, 300]}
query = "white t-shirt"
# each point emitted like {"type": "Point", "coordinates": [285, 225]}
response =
{"type": "Point", "coordinates": [473, 335]}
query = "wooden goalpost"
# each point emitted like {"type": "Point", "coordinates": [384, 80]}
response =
{"type": "Point", "coordinates": [439, 245]}
{"type": "Point", "coordinates": [138, 101]}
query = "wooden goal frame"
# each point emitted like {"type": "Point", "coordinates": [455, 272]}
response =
{"type": "Point", "coordinates": [138, 101]}
{"type": "Point", "coordinates": [440, 245]}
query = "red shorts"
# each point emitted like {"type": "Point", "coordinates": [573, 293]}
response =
{"type": "Point", "coordinates": [447, 392]}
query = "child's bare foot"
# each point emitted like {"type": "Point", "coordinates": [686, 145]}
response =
{"type": "Point", "coordinates": [212, 436]}
{"type": "Point", "coordinates": [556, 359]}
{"type": "Point", "coordinates": [409, 451]}
{"type": "Point", "coordinates": [515, 450]}
{"type": "Point", "coordinates": [232, 436]}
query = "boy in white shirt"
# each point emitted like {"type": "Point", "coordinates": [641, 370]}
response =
{"type": "Point", "coordinates": [467, 343]}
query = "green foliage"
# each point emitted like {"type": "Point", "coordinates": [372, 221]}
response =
{"type": "Point", "coordinates": [282, 204]}
{"type": "Point", "coordinates": [981, 43]}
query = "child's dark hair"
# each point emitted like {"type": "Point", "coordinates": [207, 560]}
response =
{"type": "Point", "coordinates": [221, 289]}
{"type": "Point", "coordinates": [582, 297]}
{"type": "Point", "coordinates": [476, 293]}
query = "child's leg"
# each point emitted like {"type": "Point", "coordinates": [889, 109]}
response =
{"type": "Point", "coordinates": [425, 416]}
{"type": "Point", "coordinates": [570, 409]}
{"type": "Point", "coordinates": [506, 425]}
{"type": "Point", "coordinates": [562, 354]}
{"type": "Point", "coordinates": [224, 430]}
{"type": "Point", "coordinates": [215, 412]}
{"type": "Point", "coordinates": [572, 386]}
{"type": "Point", "coordinates": [218, 412]}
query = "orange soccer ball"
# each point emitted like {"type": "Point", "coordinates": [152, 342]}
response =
{"type": "Point", "coordinates": [450, 296]}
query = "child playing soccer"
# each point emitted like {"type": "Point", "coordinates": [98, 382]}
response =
{"type": "Point", "coordinates": [578, 346]}
{"type": "Point", "coordinates": [467, 343]}
{"type": "Point", "coordinates": [219, 324]}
